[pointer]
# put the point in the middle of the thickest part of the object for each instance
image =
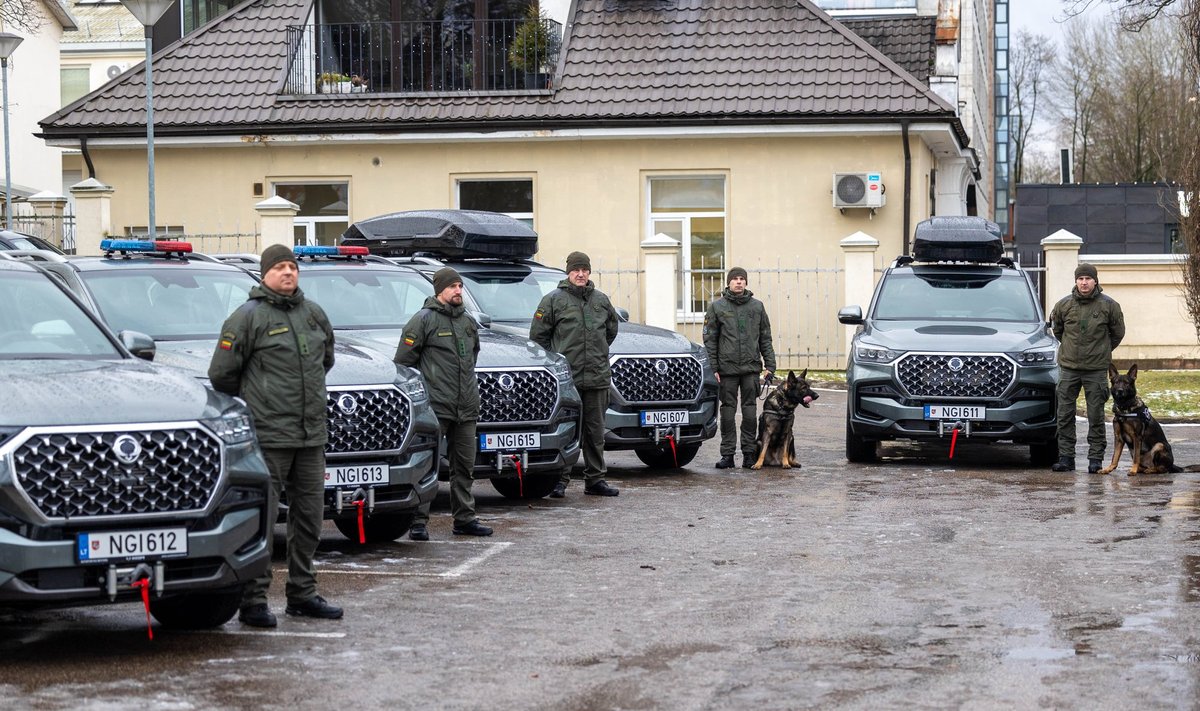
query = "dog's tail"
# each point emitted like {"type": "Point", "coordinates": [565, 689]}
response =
{"type": "Point", "coordinates": [1188, 468]}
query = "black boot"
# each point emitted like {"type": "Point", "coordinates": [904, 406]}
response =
{"type": "Point", "coordinates": [1064, 464]}
{"type": "Point", "coordinates": [1094, 466]}
{"type": "Point", "coordinates": [725, 462]}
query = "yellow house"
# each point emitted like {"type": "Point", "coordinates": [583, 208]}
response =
{"type": "Point", "coordinates": [723, 127]}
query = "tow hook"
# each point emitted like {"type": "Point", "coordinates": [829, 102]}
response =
{"type": "Point", "coordinates": [118, 578]}
{"type": "Point", "coordinates": [661, 432]}
{"type": "Point", "coordinates": [501, 457]}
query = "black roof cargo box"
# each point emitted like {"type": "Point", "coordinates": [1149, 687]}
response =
{"type": "Point", "coordinates": [957, 239]}
{"type": "Point", "coordinates": [444, 233]}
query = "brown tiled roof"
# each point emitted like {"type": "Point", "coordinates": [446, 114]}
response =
{"type": "Point", "coordinates": [625, 63]}
{"type": "Point", "coordinates": [907, 41]}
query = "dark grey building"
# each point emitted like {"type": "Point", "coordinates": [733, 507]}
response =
{"type": "Point", "coordinates": [1121, 218]}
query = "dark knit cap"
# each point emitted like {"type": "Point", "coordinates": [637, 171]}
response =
{"type": "Point", "coordinates": [736, 272]}
{"type": "Point", "coordinates": [273, 255]}
{"type": "Point", "coordinates": [578, 260]}
{"type": "Point", "coordinates": [443, 278]}
{"type": "Point", "coordinates": [1085, 269]}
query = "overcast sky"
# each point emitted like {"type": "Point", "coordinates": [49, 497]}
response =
{"type": "Point", "coordinates": [1041, 16]}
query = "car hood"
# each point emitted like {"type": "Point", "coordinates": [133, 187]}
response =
{"type": "Point", "coordinates": [632, 338]}
{"type": "Point", "coordinates": [90, 392]}
{"type": "Point", "coordinates": [354, 362]}
{"type": "Point", "coordinates": [496, 350]}
{"type": "Point", "coordinates": [982, 337]}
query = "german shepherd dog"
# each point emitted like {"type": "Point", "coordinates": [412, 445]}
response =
{"type": "Point", "coordinates": [1136, 428]}
{"type": "Point", "coordinates": [776, 444]}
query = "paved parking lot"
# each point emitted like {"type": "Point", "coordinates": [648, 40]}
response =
{"type": "Point", "coordinates": [916, 582]}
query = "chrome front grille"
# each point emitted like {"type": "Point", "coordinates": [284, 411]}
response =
{"type": "Point", "coordinates": [657, 378]}
{"type": "Point", "coordinates": [956, 376]}
{"type": "Point", "coordinates": [516, 395]}
{"type": "Point", "coordinates": [119, 472]}
{"type": "Point", "coordinates": [366, 420]}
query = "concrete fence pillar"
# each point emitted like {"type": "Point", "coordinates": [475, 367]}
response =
{"type": "Point", "coordinates": [49, 208]}
{"type": "Point", "coordinates": [859, 250]}
{"type": "Point", "coordinates": [1062, 256]}
{"type": "Point", "coordinates": [277, 222]}
{"type": "Point", "coordinates": [93, 215]}
{"type": "Point", "coordinates": [661, 257]}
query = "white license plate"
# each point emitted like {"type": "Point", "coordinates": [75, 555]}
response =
{"type": "Point", "coordinates": [658, 418]}
{"type": "Point", "coordinates": [955, 412]}
{"type": "Point", "coordinates": [112, 546]}
{"type": "Point", "coordinates": [359, 475]}
{"type": "Point", "coordinates": [507, 441]}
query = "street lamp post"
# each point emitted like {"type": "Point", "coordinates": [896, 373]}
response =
{"type": "Point", "coordinates": [8, 45]}
{"type": "Point", "coordinates": [148, 12]}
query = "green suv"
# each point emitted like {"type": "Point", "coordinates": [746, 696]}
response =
{"type": "Point", "coordinates": [954, 345]}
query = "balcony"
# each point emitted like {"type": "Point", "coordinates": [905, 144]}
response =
{"type": "Point", "coordinates": [449, 56]}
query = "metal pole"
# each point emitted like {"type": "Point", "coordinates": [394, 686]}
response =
{"type": "Point", "coordinates": [150, 126]}
{"type": "Point", "coordinates": [7, 165]}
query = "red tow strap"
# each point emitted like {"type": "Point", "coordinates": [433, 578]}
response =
{"type": "Point", "coordinates": [674, 454]}
{"type": "Point", "coordinates": [144, 584]}
{"type": "Point", "coordinates": [362, 531]}
{"type": "Point", "coordinates": [520, 475]}
{"type": "Point", "coordinates": [953, 439]}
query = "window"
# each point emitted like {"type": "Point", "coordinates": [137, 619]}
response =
{"type": "Point", "coordinates": [324, 210]}
{"type": "Point", "coordinates": [866, 6]}
{"type": "Point", "coordinates": [160, 231]}
{"type": "Point", "coordinates": [510, 196]}
{"type": "Point", "coordinates": [74, 82]}
{"type": "Point", "coordinates": [691, 209]}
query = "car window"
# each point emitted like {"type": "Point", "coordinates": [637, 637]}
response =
{"type": "Point", "coordinates": [938, 296]}
{"type": "Point", "coordinates": [17, 243]}
{"type": "Point", "coordinates": [366, 299]}
{"type": "Point", "coordinates": [168, 303]}
{"type": "Point", "coordinates": [510, 296]}
{"type": "Point", "coordinates": [40, 321]}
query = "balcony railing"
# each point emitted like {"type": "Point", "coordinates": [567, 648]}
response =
{"type": "Point", "coordinates": [418, 57]}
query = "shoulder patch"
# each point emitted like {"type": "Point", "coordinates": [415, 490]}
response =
{"type": "Point", "coordinates": [538, 314]}
{"type": "Point", "coordinates": [226, 344]}
{"type": "Point", "coordinates": [409, 341]}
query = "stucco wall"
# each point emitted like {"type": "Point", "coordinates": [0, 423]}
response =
{"type": "Point", "coordinates": [33, 94]}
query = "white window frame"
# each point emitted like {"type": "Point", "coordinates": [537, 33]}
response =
{"type": "Point", "coordinates": [683, 312]}
{"type": "Point", "coordinates": [309, 222]}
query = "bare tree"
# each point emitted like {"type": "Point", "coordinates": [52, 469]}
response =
{"type": "Point", "coordinates": [22, 14]}
{"type": "Point", "coordinates": [1077, 85]}
{"type": "Point", "coordinates": [1031, 57]}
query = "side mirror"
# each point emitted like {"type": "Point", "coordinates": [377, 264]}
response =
{"type": "Point", "coordinates": [138, 344]}
{"type": "Point", "coordinates": [851, 315]}
{"type": "Point", "coordinates": [485, 320]}
{"type": "Point", "coordinates": [622, 314]}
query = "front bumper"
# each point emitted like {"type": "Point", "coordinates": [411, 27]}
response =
{"type": "Point", "coordinates": [623, 429]}
{"type": "Point", "coordinates": [560, 450]}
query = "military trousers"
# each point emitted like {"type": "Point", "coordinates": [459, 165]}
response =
{"type": "Point", "coordinates": [591, 435]}
{"type": "Point", "coordinates": [1095, 392]}
{"type": "Point", "coordinates": [733, 387]}
{"type": "Point", "coordinates": [300, 473]}
{"type": "Point", "coordinates": [460, 452]}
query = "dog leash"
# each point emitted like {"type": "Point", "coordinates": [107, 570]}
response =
{"type": "Point", "coordinates": [764, 386]}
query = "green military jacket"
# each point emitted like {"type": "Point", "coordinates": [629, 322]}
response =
{"type": "Point", "coordinates": [1089, 328]}
{"type": "Point", "coordinates": [737, 335]}
{"type": "Point", "coordinates": [442, 342]}
{"type": "Point", "coordinates": [274, 352]}
{"type": "Point", "coordinates": [580, 323]}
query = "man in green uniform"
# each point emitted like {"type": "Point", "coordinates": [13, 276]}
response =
{"type": "Point", "coordinates": [737, 336]}
{"type": "Point", "coordinates": [578, 321]}
{"type": "Point", "coordinates": [442, 342]}
{"type": "Point", "coordinates": [1089, 326]}
{"type": "Point", "coordinates": [274, 352]}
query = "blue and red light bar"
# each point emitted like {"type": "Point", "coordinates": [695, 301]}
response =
{"type": "Point", "coordinates": [302, 250]}
{"type": "Point", "coordinates": [145, 245]}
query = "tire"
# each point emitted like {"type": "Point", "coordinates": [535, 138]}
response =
{"type": "Point", "coordinates": [380, 528]}
{"type": "Point", "coordinates": [536, 486]}
{"type": "Point", "coordinates": [859, 450]}
{"type": "Point", "coordinates": [660, 457]}
{"type": "Point", "coordinates": [197, 611]}
{"type": "Point", "coordinates": [1043, 454]}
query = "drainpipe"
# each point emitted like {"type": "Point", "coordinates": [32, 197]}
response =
{"type": "Point", "coordinates": [87, 157]}
{"type": "Point", "coordinates": [907, 185]}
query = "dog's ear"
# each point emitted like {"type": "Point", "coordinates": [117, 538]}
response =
{"type": "Point", "coordinates": [1132, 374]}
{"type": "Point", "coordinates": [804, 375]}
{"type": "Point", "coordinates": [791, 377]}
{"type": "Point", "coordinates": [1113, 373]}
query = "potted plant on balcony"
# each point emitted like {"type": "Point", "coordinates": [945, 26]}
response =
{"type": "Point", "coordinates": [333, 83]}
{"type": "Point", "coordinates": [533, 44]}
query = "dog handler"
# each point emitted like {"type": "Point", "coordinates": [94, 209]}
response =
{"type": "Point", "coordinates": [1089, 326]}
{"type": "Point", "coordinates": [274, 352]}
{"type": "Point", "coordinates": [737, 336]}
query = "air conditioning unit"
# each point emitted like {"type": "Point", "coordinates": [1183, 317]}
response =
{"type": "Point", "coordinates": [858, 190]}
{"type": "Point", "coordinates": [115, 70]}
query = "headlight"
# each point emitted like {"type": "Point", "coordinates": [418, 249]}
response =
{"type": "Point", "coordinates": [234, 427]}
{"type": "Point", "coordinates": [414, 388]}
{"type": "Point", "coordinates": [561, 370]}
{"type": "Point", "coordinates": [1037, 357]}
{"type": "Point", "coordinates": [869, 353]}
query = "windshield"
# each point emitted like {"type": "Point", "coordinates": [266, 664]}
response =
{"type": "Point", "coordinates": [356, 298]}
{"type": "Point", "coordinates": [510, 296]}
{"type": "Point", "coordinates": [955, 297]}
{"type": "Point", "coordinates": [168, 303]}
{"type": "Point", "coordinates": [19, 242]}
{"type": "Point", "coordinates": [40, 321]}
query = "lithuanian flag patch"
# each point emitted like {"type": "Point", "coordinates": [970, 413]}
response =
{"type": "Point", "coordinates": [226, 344]}
{"type": "Point", "coordinates": [409, 340]}
{"type": "Point", "coordinates": [538, 315]}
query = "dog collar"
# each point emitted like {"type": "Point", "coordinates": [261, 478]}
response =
{"type": "Point", "coordinates": [1141, 413]}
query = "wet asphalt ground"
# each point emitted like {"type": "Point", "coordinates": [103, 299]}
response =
{"type": "Point", "coordinates": [918, 582]}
